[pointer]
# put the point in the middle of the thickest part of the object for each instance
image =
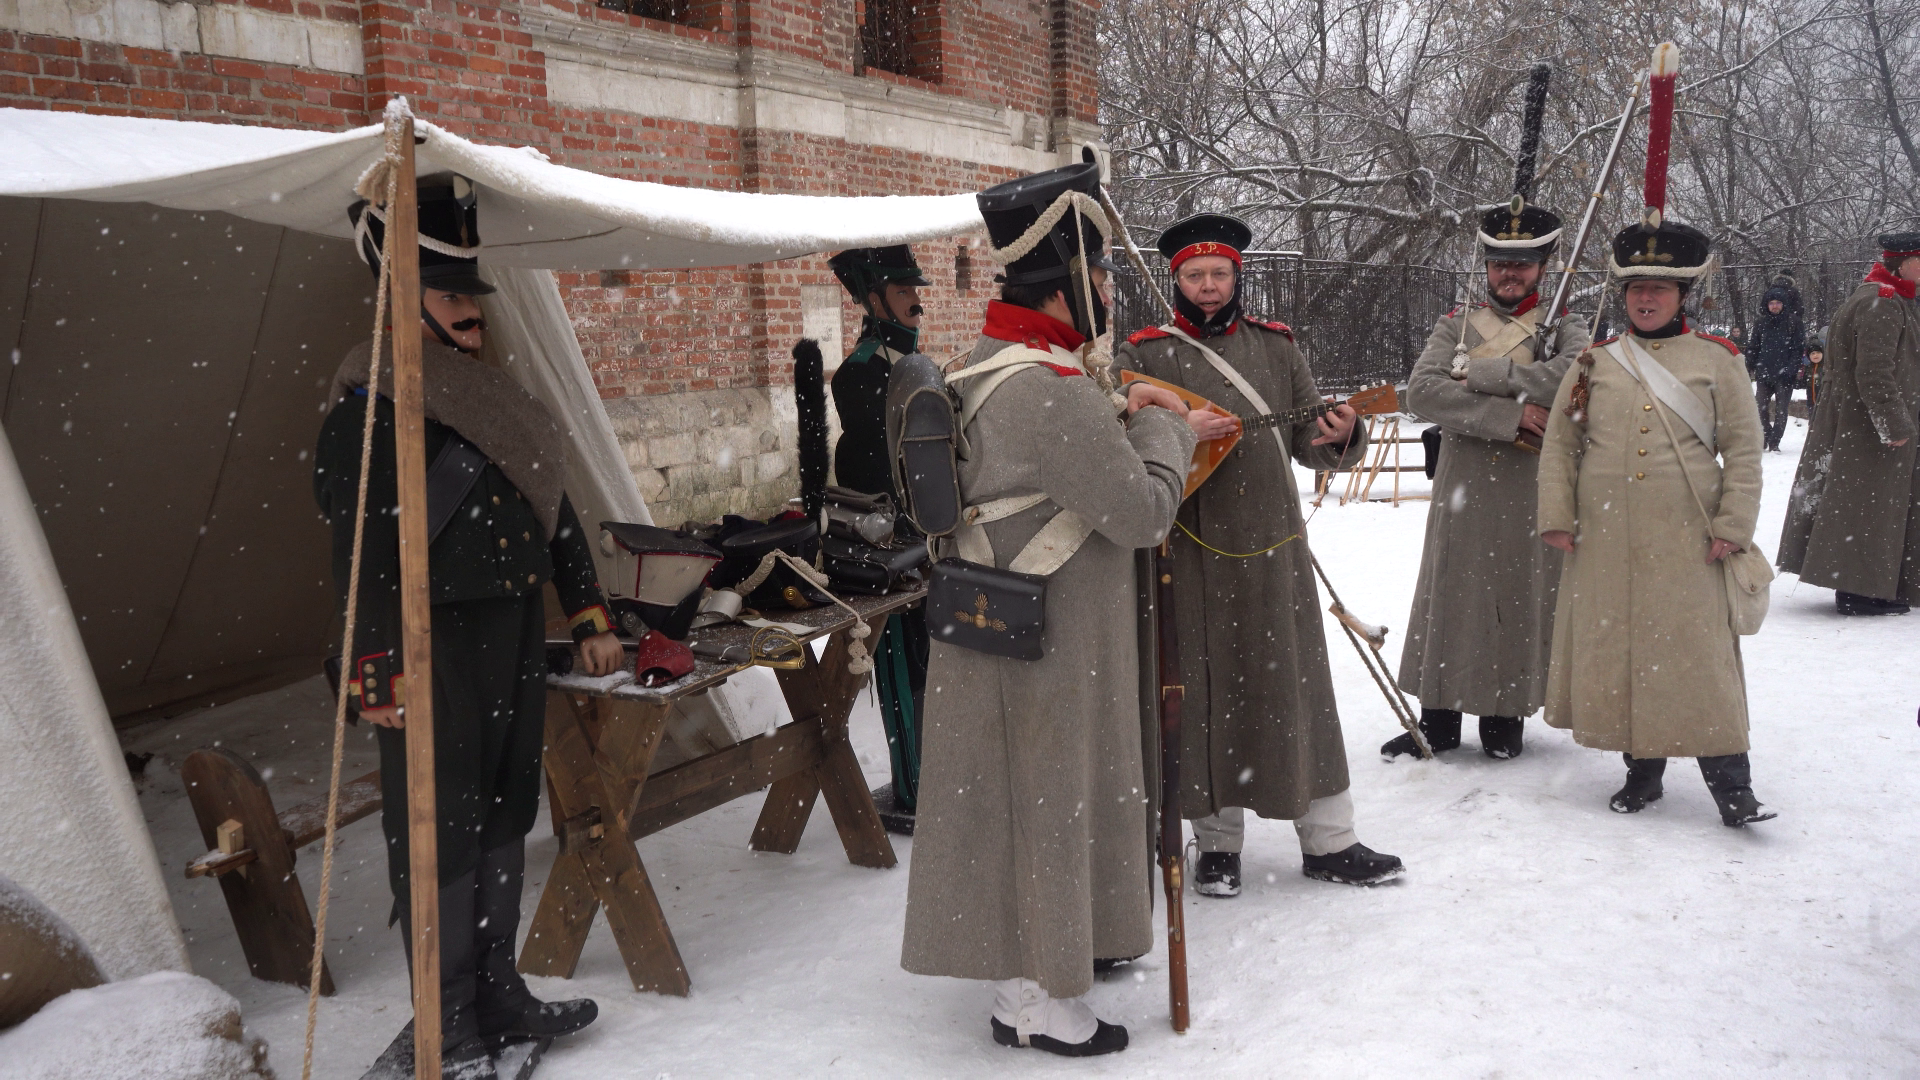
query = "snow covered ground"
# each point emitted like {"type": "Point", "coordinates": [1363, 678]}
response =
{"type": "Point", "coordinates": [1536, 933]}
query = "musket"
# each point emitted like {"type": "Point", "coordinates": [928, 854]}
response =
{"type": "Point", "coordinates": [1172, 829]}
{"type": "Point", "coordinates": [1565, 288]}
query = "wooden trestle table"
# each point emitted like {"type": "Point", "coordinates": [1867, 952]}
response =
{"type": "Point", "coordinates": [601, 742]}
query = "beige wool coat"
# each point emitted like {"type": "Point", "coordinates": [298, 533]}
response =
{"type": "Point", "coordinates": [1854, 520]}
{"type": "Point", "coordinates": [1481, 626]}
{"type": "Point", "coordinates": [1259, 726]}
{"type": "Point", "coordinates": [1029, 852]}
{"type": "Point", "coordinates": [1644, 659]}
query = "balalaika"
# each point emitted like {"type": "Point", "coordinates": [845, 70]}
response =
{"type": "Point", "coordinates": [1208, 455]}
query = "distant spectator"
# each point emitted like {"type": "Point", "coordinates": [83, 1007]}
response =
{"type": "Point", "coordinates": [1815, 354]}
{"type": "Point", "coordinates": [1775, 353]}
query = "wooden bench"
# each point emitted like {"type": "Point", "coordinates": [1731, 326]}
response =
{"type": "Point", "coordinates": [251, 851]}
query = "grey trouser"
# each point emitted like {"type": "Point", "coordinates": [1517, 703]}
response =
{"type": "Point", "coordinates": [1325, 828]}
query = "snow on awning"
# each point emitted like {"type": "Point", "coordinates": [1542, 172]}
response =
{"type": "Point", "coordinates": [534, 213]}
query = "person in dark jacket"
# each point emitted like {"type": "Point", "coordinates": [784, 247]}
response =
{"type": "Point", "coordinates": [886, 283]}
{"type": "Point", "coordinates": [1775, 355]}
{"type": "Point", "coordinates": [511, 530]}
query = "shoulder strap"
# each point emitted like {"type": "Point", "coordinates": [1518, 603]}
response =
{"type": "Point", "coordinates": [1234, 378]}
{"type": "Point", "coordinates": [1505, 334]}
{"type": "Point", "coordinates": [997, 368]}
{"type": "Point", "coordinates": [449, 478]}
{"type": "Point", "coordinates": [1662, 385]}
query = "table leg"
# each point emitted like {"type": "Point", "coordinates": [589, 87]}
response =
{"type": "Point", "coordinates": [580, 773]}
{"type": "Point", "coordinates": [825, 689]}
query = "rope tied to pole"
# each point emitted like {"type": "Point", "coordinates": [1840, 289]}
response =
{"type": "Point", "coordinates": [387, 178]}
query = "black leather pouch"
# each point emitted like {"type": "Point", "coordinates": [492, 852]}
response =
{"type": "Point", "coordinates": [869, 569]}
{"type": "Point", "coordinates": [987, 609]}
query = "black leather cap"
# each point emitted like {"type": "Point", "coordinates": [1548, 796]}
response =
{"type": "Point", "coordinates": [447, 213]}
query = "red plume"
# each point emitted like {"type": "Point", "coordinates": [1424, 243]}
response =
{"type": "Point", "coordinates": [1665, 71]}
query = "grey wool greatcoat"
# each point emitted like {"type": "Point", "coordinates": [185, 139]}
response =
{"type": "Point", "coordinates": [1259, 725]}
{"type": "Point", "coordinates": [1644, 659]}
{"type": "Point", "coordinates": [1029, 854]}
{"type": "Point", "coordinates": [1852, 524]}
{"type": "Point", "coordinates": [1481, 626]}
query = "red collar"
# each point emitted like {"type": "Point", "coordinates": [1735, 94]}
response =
{"type": "Point", "coordinates": [1880, 275]}
{"type": "Point", "coordinates": [1532, 301]}
{"type": "Point", "coordinates": [1186, 327]}
{"type": "Point", "coordinates": [1011, 322]}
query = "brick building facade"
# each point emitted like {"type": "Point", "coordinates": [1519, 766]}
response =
{"type": "Point", "coordinates": [861, 97]}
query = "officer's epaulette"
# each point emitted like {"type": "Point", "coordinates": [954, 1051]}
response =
{"type": "Point", "coordinates": [1149, 334]}
{"type": "Point", "coordinates": [1061, 369]}
{"type": "Point", "coordinates": [1730, 346]}
{"type": "Point", "coordinates": [1277, 327]}
{"type": "Point", "coordinates": [1887, 292]}
{"type": "Point", "coordinates": [1609, 341]}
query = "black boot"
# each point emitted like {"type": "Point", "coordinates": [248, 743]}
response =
{"type": "Point", "coordinates": [463, 1055]}
{"type": "Point", "coordinates": [1440, 726]}
{"type": "Point", "coordinates": [1218, 874]}
{"type": "Point", "coordinates": [507, 1010]}
{"type": "Point", "coordinates": [1643, 784]}
{"type": "Point", "coordinates": [1357, 865]}
{"type": "Point", "coordinates": [1501, 736]}
{"type": "Point", "coordinates": [1730, 779]}
{"type": "Point", "coordinates": [1856, 604]}
{"type": "Point", "coordinates": [1106, 1039]}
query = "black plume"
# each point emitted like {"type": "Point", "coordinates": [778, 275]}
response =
{"type": "Point", "coordinates": [1530, 130]}
{"type": "Point", "coordinates": [810, 401]}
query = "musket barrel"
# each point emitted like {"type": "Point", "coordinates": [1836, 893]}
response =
{"type": "Point", "coordinates": [1593, 201]}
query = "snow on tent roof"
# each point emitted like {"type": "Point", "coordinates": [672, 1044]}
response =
{"type": "Point", "coordinates": [536, 214]}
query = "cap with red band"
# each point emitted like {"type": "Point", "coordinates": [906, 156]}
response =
{"type": "Point", "coordinates": [1904, 245]}
{"type": "Point", "coordinates": [1205, 234]}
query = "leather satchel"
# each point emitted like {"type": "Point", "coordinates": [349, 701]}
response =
{"type": "Point", "coordinates": [872, 569]}
{"type": "Point", "coordinates": [986, 609]}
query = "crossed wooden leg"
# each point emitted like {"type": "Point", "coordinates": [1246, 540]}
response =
{"type": "Point", "coordinates": [597, 756]}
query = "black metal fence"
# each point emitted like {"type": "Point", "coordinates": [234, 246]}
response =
{"type": "Point", "coordinates": [1363, 323]}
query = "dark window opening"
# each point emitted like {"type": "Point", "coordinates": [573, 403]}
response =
{"type": "Point", "coordinates": [962, 271]}
{"type": "Point", "coordinates": [674, 11]}
{"type": "Point", "coordinates": [887, 34]}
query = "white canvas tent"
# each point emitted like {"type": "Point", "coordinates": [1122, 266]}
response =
{"type": "Point", "coordinates": [174, 298]}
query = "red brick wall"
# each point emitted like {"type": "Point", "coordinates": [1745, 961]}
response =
{"type": "Point", "coordinates": [472, 68]}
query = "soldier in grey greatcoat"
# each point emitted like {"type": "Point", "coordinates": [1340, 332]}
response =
{"type": "Point", "coordinates": [1260, 729]}
{"type": "Point", "coordinates": [1852, 525]}
{"type": "Point", "coordinates": [1480, 631]}
{"type": "Point", "coordinates": [1029, 859]}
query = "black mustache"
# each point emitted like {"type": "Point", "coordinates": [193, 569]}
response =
{"type": "Point", "coordinates": [916, 310]}
{"type": "Point", "coordinates": [464, 325]}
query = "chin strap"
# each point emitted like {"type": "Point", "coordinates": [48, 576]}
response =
{"type": "Point", "coordinates": [440, 332]}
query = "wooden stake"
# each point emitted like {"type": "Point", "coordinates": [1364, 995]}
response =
{"type": "Point", "coordinates": [416, 610]}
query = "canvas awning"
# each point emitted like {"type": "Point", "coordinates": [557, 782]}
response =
{"type": "Point", "coordinates": [538, 214]}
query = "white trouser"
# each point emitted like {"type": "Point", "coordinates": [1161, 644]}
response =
{"type": "Point", "coordinates": [1023, 1006]}
{"type": "Point", "coordinates": [1325, 828]}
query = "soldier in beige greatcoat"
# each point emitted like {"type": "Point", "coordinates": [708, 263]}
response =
{"type": "Point", "coordinates": [1645, 658]}
{"type": "Point", "coordinates": [1478, 635]}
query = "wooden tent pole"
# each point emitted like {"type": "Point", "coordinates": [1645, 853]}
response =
{"type": "Point", "coordinates": [416, 611]}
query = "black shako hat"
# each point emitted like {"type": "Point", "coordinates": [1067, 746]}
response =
{"type": "Point", "coordinates": [449, 222]}
{"type": "Point", "coordinates": [1010, 209]}
{"type": "Point", "coordinates": [1518, 232]}
{"type": "Point", "coordinates": [869, 269]}
{"type": "Point", "coordinates": [1661, 249]}
{"type": "Point", "coordinates": [1204, 234]}
{"type": "Point", "coordinates": [1899, 245]}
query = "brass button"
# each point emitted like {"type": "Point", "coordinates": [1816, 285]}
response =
{"type": "Point", "coordinates": [526, 536]}
{"type": "Point", "coordinates": [1243, 489]}
{"type": "Point", "coordinates": [369, 669]}
{"type": "Point", "coordinates": [1639, 476]}
{"type": "Point", "coordinates": [1239, 452]}
{"type": "Point", "coordinates": [1643, 451]}
{"type": "Point", "coordinates": [1648, 408]}
{"type": "Point", "coordinates": [1643, 431]}
{"type": "Point", "coordinates": [1656, 344]}
{"type": "Point", "coordinates": [503, 540]}
{"type": "Point", "coordinates": [496, 500]}
{"type": "Point", "coordinates": [531, 578]}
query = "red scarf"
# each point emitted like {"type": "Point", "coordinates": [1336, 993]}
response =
{"type": "Point", "coordinates": [1011, 322]}
{"type": "Point", "coordinates": [1882, 276]}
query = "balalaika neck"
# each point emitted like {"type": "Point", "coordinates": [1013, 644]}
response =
{"type": "Point", "coordinates": [1290, 418]}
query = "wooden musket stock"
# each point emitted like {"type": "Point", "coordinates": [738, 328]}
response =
{"type": "Point", "coordinates": [1172, 832]}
